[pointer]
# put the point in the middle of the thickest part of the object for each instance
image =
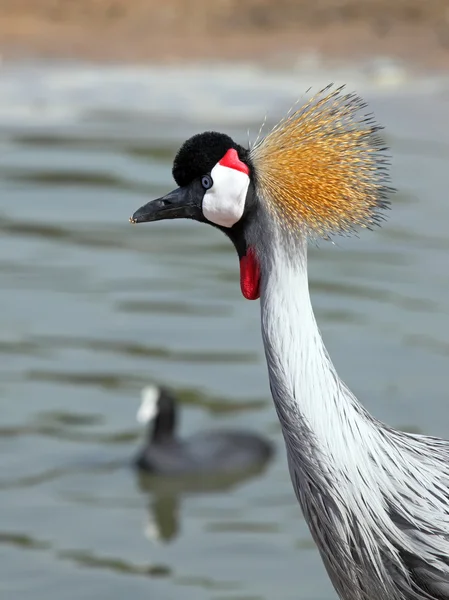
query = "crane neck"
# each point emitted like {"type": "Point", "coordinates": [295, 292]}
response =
{"type": "Point", "coordinates": [311, 400]}
{"type": "Point", "coordinates": [342, 461]}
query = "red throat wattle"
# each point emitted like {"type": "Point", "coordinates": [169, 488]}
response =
{"type": "Point", "coordinates": [250, 275]}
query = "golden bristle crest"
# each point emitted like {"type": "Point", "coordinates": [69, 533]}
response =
{"type": "Point", "coordinates": [324, 169]}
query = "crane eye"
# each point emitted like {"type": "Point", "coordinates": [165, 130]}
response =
{"type": "Point", "coordinates": [207, 182]}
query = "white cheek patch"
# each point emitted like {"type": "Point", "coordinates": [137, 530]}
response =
{"type": "Point", "coordinates": [224, 202]}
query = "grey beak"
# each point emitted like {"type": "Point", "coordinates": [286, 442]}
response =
{"type": "Point", "coordinates": [182, 203]}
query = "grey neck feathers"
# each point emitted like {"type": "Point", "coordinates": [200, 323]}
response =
{"type": "Point", "coordinates": [356, 479]}
{"type": "Point", "coordinates": [330, 438]}
{"type": "Point", "coordinates": [308, 393]}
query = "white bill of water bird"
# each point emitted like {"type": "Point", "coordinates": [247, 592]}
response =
{"type": "Point", "coordinates": [376, 499]}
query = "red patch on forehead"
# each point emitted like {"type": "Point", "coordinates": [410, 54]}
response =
{"type": "Point", "coordinates": [232, 161]}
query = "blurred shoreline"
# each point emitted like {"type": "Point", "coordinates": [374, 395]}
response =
{"type": "Point", "coordinates": [279, 33]}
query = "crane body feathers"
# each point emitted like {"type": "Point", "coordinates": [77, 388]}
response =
{"type": "Point", "coordinates": [376, 499]}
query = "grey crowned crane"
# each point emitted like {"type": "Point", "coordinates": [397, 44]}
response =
{"type": "Point", "coordinates": [376, 499]}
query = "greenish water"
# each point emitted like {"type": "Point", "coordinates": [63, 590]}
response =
{"type": "Point", "coordinates": [92, 309]}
